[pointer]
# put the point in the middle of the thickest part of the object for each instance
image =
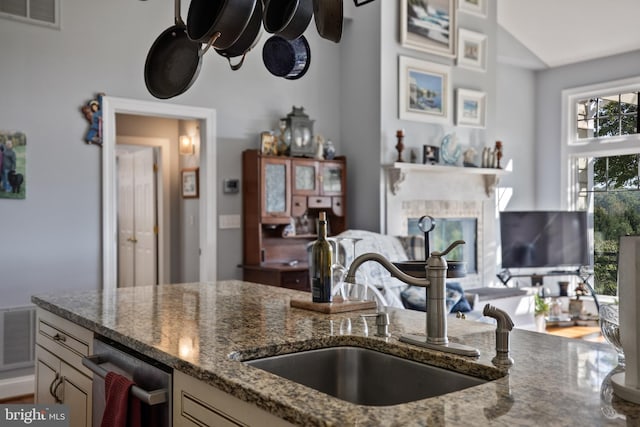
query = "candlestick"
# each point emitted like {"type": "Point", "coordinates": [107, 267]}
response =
{"type": "Point", "coordinates": [400, 145]}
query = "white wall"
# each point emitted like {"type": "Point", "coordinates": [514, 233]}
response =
{"type": "Point", "coordinates": [51, 241]}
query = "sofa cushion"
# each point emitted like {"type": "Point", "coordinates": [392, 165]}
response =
{"type": "Point", "coordinates": [413, 246]}
{"type": "Point", "coordinates": [415, 298]}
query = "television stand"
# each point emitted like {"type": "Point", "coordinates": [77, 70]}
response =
{"type": "Point", "coordinates": [505, 276]}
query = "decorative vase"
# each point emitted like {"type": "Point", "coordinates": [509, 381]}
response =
{"type": "Point", "coordinates": [329, 150]}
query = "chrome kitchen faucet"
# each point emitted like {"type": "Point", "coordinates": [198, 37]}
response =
{"type": "Point", "coordinates": [436, 328]}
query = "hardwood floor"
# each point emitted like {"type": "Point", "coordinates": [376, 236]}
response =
{"type": "Point", "coordinates": [20, 399]}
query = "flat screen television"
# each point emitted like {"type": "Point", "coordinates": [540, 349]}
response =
{"type": "Point", "coordinates": [544, 239]}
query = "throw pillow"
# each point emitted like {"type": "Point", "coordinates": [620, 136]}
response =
{"type": "Point", "coordinates": [415, 298]}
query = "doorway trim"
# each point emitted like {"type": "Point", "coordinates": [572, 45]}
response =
{"type": "Point", "coordinates": [207, 117]}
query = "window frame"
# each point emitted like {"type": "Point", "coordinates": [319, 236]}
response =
{"type": "Point", "coordinates": [573, 148]}
{"type": "Point", "coordinates": [56, 25]}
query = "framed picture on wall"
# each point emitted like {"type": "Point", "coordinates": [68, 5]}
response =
{"type": "Point", "coordinates": [472, 50]}
{"type": "Point", "coordinates": [470, 108]}
{"type": "Point", "coordinates": [423, 92]}
{"type": "Point", "coordinates": [429, 26]}
{"type": "Point", "coordinates": [474, 7]}
{"type": "Point", "coordinates": [190, 183]}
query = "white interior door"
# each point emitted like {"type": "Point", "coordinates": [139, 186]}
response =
{"type": "Point", "coordinates": [126, 231]}
{"type": "Point", "coordinates": [137, 218]}
{"type": "Point", "coordinates": [145, 218]}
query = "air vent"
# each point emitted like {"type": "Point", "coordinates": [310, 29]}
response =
{"type": "Point", "coordinates": [17, 337]}
{"type": "Point", "coordinates": [39, 12]}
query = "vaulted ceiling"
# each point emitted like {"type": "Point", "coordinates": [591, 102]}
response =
{"type": "Point", "coordinates": [561, 32]}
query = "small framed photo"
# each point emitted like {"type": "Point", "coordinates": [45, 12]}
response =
{"type": "Point", "coordinates": [430, 155]}
{"type": "Point", "coordinates": [472, 50]}
{"type": "Point", "coordinates": [429, 26]}
{"type": "Point", "coordinates": [470, 108]}
{"type": "Point", "coordinates": [474, 7]}
{"type": "Point", "coordinates": [423, 93]}
{"type": "Point", "coordinates": [269, 143]}
{"type": "Point", "coordinates": [190, 183]}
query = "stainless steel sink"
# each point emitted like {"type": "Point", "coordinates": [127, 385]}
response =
{"type": "Point", "coordinates": [364, 376]}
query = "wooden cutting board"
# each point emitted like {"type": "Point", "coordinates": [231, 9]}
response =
{"type": "Point", "coordinates": [337, 306]}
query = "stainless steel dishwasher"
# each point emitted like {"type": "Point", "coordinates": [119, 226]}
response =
{"type": "Point", "coordinates": [153, 381]}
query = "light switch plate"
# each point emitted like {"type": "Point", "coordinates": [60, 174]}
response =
{"type": "Point", "coordinates": [229, 221]}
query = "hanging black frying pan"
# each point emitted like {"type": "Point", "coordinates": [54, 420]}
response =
{"type": "Point", "coordinates": [247, 40]}
{"type": "Point", "coordinates": [174, 61]}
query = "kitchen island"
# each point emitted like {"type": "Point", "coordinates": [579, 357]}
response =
{"type": "Point", "coordinates": [205, 330]}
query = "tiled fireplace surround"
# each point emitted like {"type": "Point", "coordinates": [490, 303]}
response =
{"type": "Point", "coordinates": [446, 192]}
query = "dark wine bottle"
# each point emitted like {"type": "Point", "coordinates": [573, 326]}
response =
{"type": "Point", "coordinates": [321, 261]}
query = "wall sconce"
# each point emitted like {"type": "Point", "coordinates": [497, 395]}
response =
{"type": "Point", "coordinates": [186, 145]}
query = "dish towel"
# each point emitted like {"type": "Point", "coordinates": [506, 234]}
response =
{"type": "Point", "coordinates": [121, 409]}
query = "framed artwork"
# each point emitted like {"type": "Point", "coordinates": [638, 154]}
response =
{"type": "Point", "coordinates": [430, 155]}
{"type": "Point", "coordinates": [13, 158]}
{"type": "Point", "coordinates": [429, 26]}
{"type": "Point", "coordinates": [472, 50]}
{"type": "Point", "coordinates": [423, 92]}
{"type": "Point", "coordinates": [474, 7]}
{"type": "Point", "coordinates": [269, 143]}
{"type": "Point", "coordinates": [470, 108]}
{"type": "Point", "coordinates": [190, 183]}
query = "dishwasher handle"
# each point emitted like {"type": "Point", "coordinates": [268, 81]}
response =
{"type": "Point", "coordinates": [151, 398]}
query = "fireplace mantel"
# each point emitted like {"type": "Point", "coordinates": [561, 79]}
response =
{"type": "Point", "coordinates": [398, 172]}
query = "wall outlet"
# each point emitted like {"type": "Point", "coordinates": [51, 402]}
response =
{"type": "Point", "coordinates": [229, 221]}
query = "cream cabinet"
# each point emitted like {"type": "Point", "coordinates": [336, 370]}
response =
{"type": "Point", "coordinates": [197, 404]}
{"type": "Point", "coordinates": [60, 375]}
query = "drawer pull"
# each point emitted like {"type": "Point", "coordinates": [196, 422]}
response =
{"type": "Point", "coordinates": [59, 337]}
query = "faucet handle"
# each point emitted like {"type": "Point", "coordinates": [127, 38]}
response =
{"type": "Point", "coordinates": [382, 323]}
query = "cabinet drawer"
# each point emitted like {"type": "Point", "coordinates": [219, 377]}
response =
{"type": "Point", "coordinates": [296, 280]}
{"type": "Point", "coordinates": [319, 202]}
{"type": "Point", "coordinates": [66, 340]}
{"type": "Point", "coordinates": [298, 205]}
{"type": "Point", "coordinates": [337, 205]}
{"type": "Point", "coordinates": [196, 403]}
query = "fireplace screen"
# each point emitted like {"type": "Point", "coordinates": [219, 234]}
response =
{"type": "Point", "coordinates": [446, 231]}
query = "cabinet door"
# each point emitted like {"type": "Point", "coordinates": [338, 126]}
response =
{"type": "Point", "coordinates": [276, 190]}
{"type": "Point", "coordinates": [76, 394]}
{"type": "Point", "coordinates": [47, 372]}
{"type": "Point", "coordinates": [332, 179]}
{"type": "Point", "coordinates": [305, 177]}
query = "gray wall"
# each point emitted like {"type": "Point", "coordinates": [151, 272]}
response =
{"type": "Point", "coordinates": [549, 86]}
{"type": "Point", "coordinates": [51, 241]}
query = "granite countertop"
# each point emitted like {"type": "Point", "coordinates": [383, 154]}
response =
{"type": "Point", "coordinates": [204, 329]}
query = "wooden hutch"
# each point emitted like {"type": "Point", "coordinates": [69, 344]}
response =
{"type": "Point", "coordinates": [281, 199]}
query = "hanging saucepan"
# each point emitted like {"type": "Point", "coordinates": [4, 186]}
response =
{"type": "Point", "coordinates": [287, 18]}
{"type": "Point", "coordinates": [247, 40]}
{"type": "Point", "coordinates": [286, 58]}
{"type": "Point", "coordinates": [173, 62]}
{"type": "Point", "coordinates": [227, 17]}
{"type": "Point", "coordinates": [328, 15]}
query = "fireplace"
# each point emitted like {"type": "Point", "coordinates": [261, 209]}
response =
{"type": "Point", "coordinates": [447, 230]}
{"type": "Point", "coordinates": [463, 203]}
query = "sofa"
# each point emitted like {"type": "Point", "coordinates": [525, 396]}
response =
{"type": "Point", "coordinates": [519, 303]}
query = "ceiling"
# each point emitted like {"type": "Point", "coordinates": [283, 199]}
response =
{"type": "Point", "coordinates": [568, 31]}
